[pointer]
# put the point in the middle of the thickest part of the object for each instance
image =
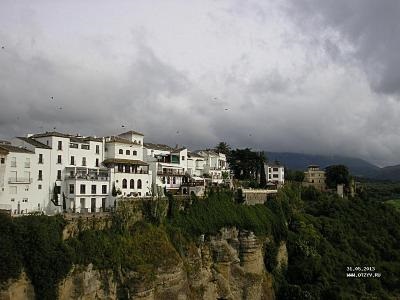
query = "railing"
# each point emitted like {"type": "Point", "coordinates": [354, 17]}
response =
{"type": "Point", "coordinates": [87, 177]}
{"type": "Point", "coordinates": [134, 172]}
{"type": "Point", "coordinates": [19, 180]}
{"type": "Point", "coordinates": [170, 172]}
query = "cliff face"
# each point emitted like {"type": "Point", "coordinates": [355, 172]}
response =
{"type": "Point", "coordinates": [229, 265]}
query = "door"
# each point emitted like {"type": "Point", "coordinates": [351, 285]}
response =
{"type": "Point", "coordinates": [83, 205]}
{"type": "Point", "coordinates": [93, 205]}
{"type": "Point", "coordinates": [103, 204]}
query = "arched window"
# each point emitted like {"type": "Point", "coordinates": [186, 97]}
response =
{"type": "Point", "coordinates": [132, 184]}
{"type": "Point", "coordinates": [128, 152]}
{"type": "Point", "coordinates": [139, 184]}
{"type": "Point", "coordinates": [121, 151]}
{"type": "Point", "coordinates": [134, 152]}
{"type": "Point", "coordinates": [124, 183]}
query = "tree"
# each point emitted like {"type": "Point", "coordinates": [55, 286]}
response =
{"type": "Point", "coordinates": [114, 192]}
{"type": "Point", "coordinates": [263, 176]}
{"type": "Point", "coordinates": [337, 174]}
{"type": "Point", "coordinates": [246, 164]}
{"type": "Point", "coordinates": [224, 148]}
{"type": "Point", "coordinates": [293, 175]}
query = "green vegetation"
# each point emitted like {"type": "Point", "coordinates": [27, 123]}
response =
{"type": "Point", "coordinates": [324, 234]}
{"type": "Point", "coordinates": [218, 210]}
{"type": "Point", "coordinates": [337, 174]}
{"type": "Point", "coordinates": [328, 234]}
{"type": "Point", "coordinates": [34, 243]}
{"type": "Point", "coordinates": [395, 203]}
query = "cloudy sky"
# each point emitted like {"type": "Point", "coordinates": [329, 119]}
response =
{"type": "Point", "coordinates": [309, 76]}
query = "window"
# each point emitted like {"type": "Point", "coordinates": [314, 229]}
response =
{"type": "Point", "coordinates": [97, 162]}
{"type": "Point", "coordinates": [134, 152]}
{"type": "Point", "coordinates": [58, 174]}
{"type": "Point", "coordinates": [83, 189]}
{"type": "Point", "coordinates": [13, 161]}
{"type": "Point", "coordinates": [275, 176]}
{"type": "Point", "coordinates": [27, 162]}
{"type": "Point", "coordinates": [127, 152]}
{"type": "Point", "coordinates": [121, 151]}
{"type": "Point", "coordinates": [39, 187]}
{"type": "Point", "coordinates": [26, 188]}
{"type": "Point", "coordinates": [174, 180]}
{"type": "Point", "coordinates": [139, 184]}
{"type": "Point", "coordinates": [73, 145]}
{"type": "Point", "coordinates": [85, 147]}
{"type": "Point", "coordinates": [71, 189]}
{"type": "Point", "coordinates": [13, 190]}
{"type": "Point", "coordinates": [24, 199]}
{"type": "Point", "coordinates": [73, 160]}
{"type": "Point", "coordinates": [59, 158]}
{"type": "Point", "coordinates": [124, 184]}
{"type": "Point", "coordinates": [163, 180]}
{"type": "Point", "coordinates": [40, 158]}
{"type": "Point", "coordinates": [84, 161]}
{"type": "Point", "coordinates": [3, 160]}
{"type": "Point", "coordinates": [104, 189]}
{"type": "Point", "coordinates": [132, 184]}
{"type": "Point", "coordinates": [12, 199]}
{"type": "Point", "coordinates": [168, 180]}
{"type": "Point", "coordinates": [183, 158]}
{"type": "Point", "coordinates": [97, 149]}
{"type": "Point", "coordinates": [40, 175]}
{"type": "Point", "coordinates": [120, 168]}
{"type": "Point", "coordinates": [93, 189]}
{"type": "Point", "coordinates": [275, 169]}
{"type": "Point", "coordinates": [59, 145]}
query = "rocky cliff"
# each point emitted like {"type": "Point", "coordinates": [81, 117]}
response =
{"type": "Point", "coordinates": [229, 265]}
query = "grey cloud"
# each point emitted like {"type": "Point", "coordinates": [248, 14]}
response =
{"type": "Point", "coordinates": [371, 27]}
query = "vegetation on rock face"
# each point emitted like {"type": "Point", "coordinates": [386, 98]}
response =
{"type": "Point", "coordinates": [34, 244]}
{"type": "Point", "coordinates": [324, 234]}
{"type": "Point", "coordinates": [327, 234]}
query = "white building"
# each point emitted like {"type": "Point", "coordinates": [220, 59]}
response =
{"type": "Point", "coordinates": [21, 189]}
{"type": "Point", "coordinates": [215, 166]}
{"type": "Point", "coordinates": [168, 166]}
{"type": "Point", "coordinates": [275, 173]}
{"type": "Point", "coordinates": [124, 158]}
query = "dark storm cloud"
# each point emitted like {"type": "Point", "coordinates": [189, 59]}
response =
{"type": "Point", "coordinates": [252, 73]}
{"type": "Point", "coordinates": [371, 27]}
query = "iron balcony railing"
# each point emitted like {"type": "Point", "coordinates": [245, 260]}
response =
{"type": "Point", "coordinates": [19, 180]}
{"type": "Point", "coordinates": [99, 177]}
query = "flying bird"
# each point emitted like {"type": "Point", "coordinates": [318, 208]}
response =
{"type": "Point", "coordinates": [226, 109]}
{"type": "Point", "coordinates": [52, 97]}
{"type": "Point", "coordinates": [60, 108]}
{"type": "Point", "coordinates": [177, 132]}
{"type": "Point", "coordinates": [2, 47]}
{"type": "Point", "coordinates": [123, 126]}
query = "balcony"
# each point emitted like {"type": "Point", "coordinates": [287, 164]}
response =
{"type": "Point", "coordinates": [170, 172]}
{"type": "Point", "coordinates": [91, 177]}
{"type": "Point", "coordinates": [133, 171]}
{"type": "Point", "coordinates": [19, 180]}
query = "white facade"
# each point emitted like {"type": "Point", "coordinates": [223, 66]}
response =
{"type": "Point", "coordinates": [275, 173]}
{"type": "Point", "coordinates": [215, 166]}
{"type": "Point", "coordinates": [21, 191]}
{"type": "Point", "coordinates": [168, 166]}
{"type": "Point", "coordinates": [128, 172]}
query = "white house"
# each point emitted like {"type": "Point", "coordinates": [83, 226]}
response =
{"type": "Point", "coordinates": [215, 166]}
{"type": "Point", "coordinates": [275, 173]}
{"type": "Point", "coordinates": [168, 166]}
{"type": "Point", "coordinates": [124, 158]}
{"type": "Point", "coordinates": [21, 190]}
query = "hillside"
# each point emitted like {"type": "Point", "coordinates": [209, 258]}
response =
{"type": "Point", "coordinates": [357, 167]}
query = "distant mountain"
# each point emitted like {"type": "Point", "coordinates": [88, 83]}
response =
{"type": "Point", "coordinates": [390, 173]}
{"type": "Point", "coordinates": [357, 167]}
